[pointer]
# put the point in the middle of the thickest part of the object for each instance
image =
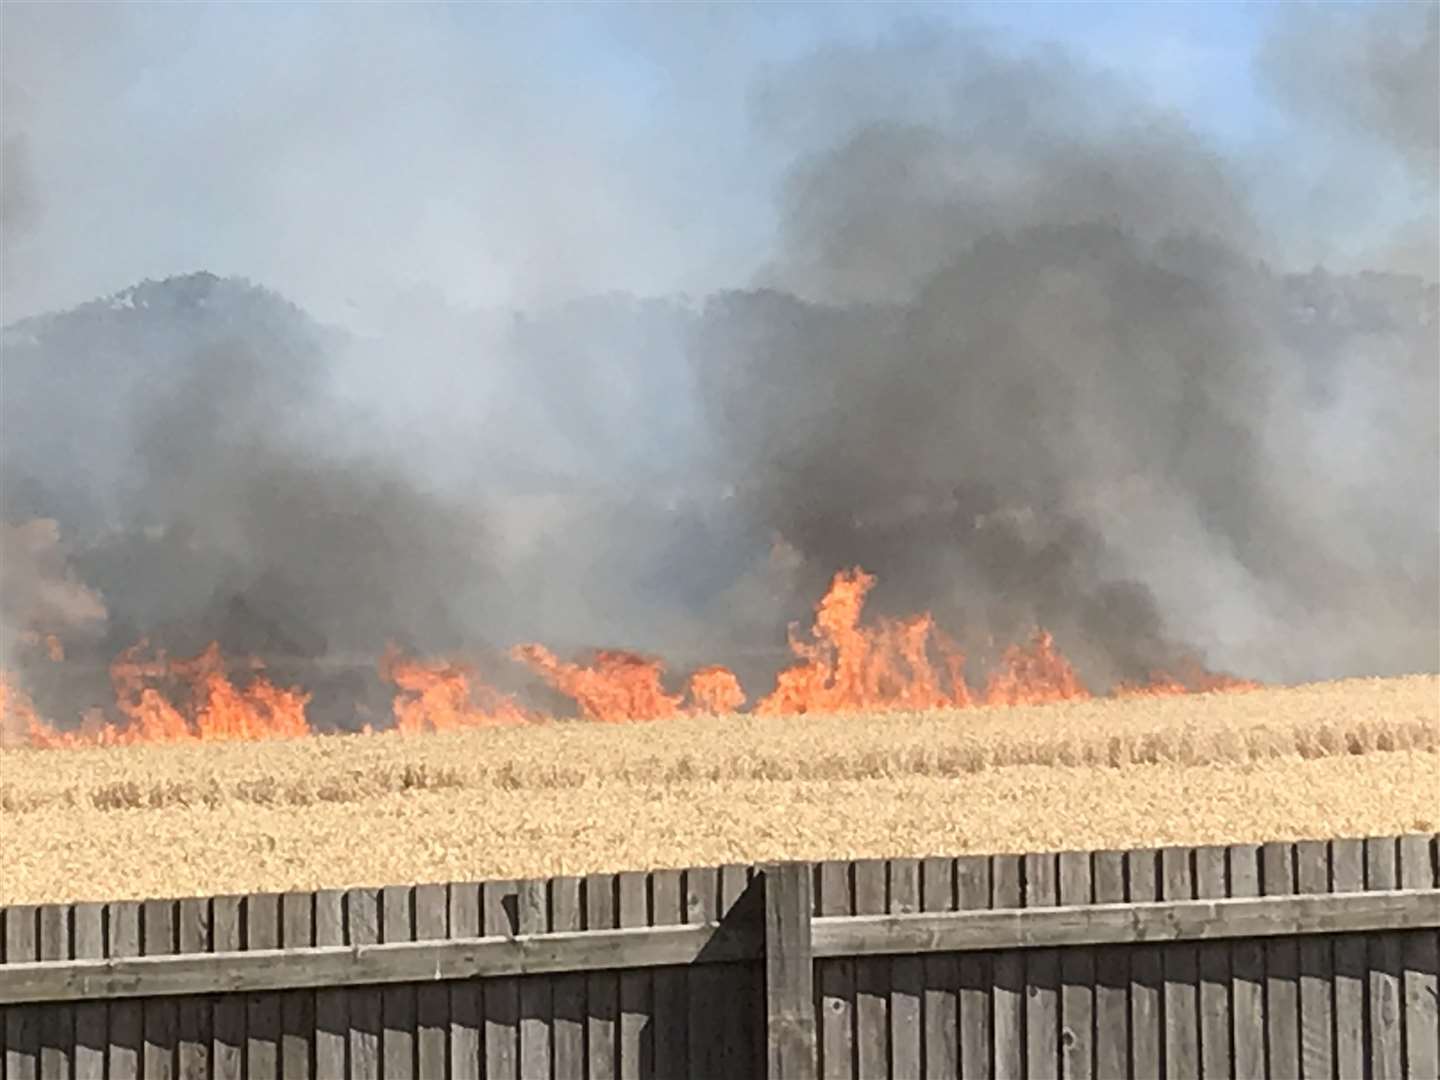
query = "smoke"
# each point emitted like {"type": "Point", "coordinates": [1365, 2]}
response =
{"type": "Point", "coordinates": [1365, 82]}
{"type": "Point", "coordinates": [1044, 373]}
{"type": "Point", "coordinates": [40, 595]}
{"type": "Point", "coordinates": [1368, 72]}
{"type": "Point", "coordinates": [1023, 344]}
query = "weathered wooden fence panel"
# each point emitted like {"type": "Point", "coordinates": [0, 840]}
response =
{"type": "Point", "coordinates": [1357, 1003]}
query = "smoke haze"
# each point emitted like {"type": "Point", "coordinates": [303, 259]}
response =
{"type": "Point", "coordinates": [978, 316]}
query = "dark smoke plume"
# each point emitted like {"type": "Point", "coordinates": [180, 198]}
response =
{"type": "Point", "coordinates": [1078, 370]}
{"type": "Point", "coordinates": [1024, 348]}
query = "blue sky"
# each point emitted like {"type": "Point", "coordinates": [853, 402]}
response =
{"type": "Point", "coordinates": [498, 154]}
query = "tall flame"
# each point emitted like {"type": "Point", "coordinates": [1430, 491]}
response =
{"type": "Point", "coordinates": [1034, 674]}
{"type": "Point", "coordinates": [848, 667]}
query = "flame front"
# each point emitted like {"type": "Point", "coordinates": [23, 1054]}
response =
{"type": "Point", "coordinates": [847, 667]}
{"type": "Point", "coordinates": [618, 686]}
{"type": "Point", "coordinates": [842, 665]}
{"type": "Point", "coordinates": [440, 696]}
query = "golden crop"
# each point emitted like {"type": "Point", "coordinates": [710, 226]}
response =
{"type": "Point", "coordinates": [1352, 758]}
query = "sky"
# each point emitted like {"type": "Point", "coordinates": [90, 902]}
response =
{"type": "Point", "coordinates": [357, 156]}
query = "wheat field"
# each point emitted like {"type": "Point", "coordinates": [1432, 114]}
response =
{"type": "Point", "coordinates": [1359, 757]}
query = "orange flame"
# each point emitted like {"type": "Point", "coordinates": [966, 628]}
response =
{"type": "Point", "coordinates": [1034, 674]}
{"type": "Point", "coordinates": [716, 691]}
{"type": "Point", "coordinates": [213, 708]}
{"type": "Point", "coordinates": [1192, 679]}
{"type": "Point", "coordinates": [20, 724]}
{"type": "Point", "coordinates": [439, 696]}
{"type": "Point", "coordinates": [842, 666]}
{"type": "Point", "coordinates": [848, 667]}
{"type": "Point", "coordinates": [617, 686]}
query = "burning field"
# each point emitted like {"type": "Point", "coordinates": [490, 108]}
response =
{"type": "Point", "coordinates": [964, 446]}
{"type": "Point", "coordinates": [842, 665]}
{"type": "Point", "coordinates": [875, 740]}
{"type": "Point", "coordinates": [1352, 758]}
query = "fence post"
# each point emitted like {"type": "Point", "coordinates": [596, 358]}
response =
{"type": "Point", "coordinates": [789, 974]}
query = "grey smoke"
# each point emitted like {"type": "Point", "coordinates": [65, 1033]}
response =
{"type": "Point", "coordinates": [1024, 347]}
{"type": "Point", "coordinates": [1072, 324]}
{"type": "Point", "coordinates": [1368, 71]}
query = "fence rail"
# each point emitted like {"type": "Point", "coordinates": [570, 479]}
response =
{"type": "Point", "coordinates": [1315, 959]}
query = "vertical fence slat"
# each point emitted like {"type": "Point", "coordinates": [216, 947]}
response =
{"type": "Point", "coordinates": [397, 1001]}
{"type": "Point", "coordinates": [972, 893]}
{"type": "Point", "coordinates": [162, 1017]}
{"type": "Point", "coordinates": [743, 1049]}
{"type": "Point", "coordinates": [1347, 874]}
{"type": "Point", "coordinates": [89, 928]}
{"type": "Point", "coordinates": [567, 914]}
{"type": "Point", "coordinates": [906, 977]}
{"type": "Point", "coordinates": [708, 1017]}
{"type": "Point", "coordinates": [1421, 976]}
{"type": "Point", "coordinates": [57, 1022]}
{"type": "Point", "coordinates": [466, 1001]}
{"type": "Point", "coordinates": [467, 1011]}
{"type": "Point", "coordinates": [262, 1020]}
{"type": "Point", "coordinates": [432, 1000]}
{"type": "Point", "coordinates": [942, 978]}
{"type": "Point", "coordinates": [1077, 977]}
{"type": "Point", "coordinates": [1282, 968]}
{"type": "Point", "coordinates": [1387, 1043]}
{"type": "Point", "coordinates": [835, 1010]}
{"type": "Point", "coordinates": [1212, 883]}
{"type": "Point", "coordinates": [194, 937]}
{"type": "Point", "coordinates": [500, 915]}
{"type": "Point", "coordinates": [1314, 966]}
{"type": "Point", "coordinates": [1112, 977]}
{"type": "Point", "coordinates": [1247, 971]}
{"type": "Point", "coordinates": [1147, 1044]}
{"type": "Point", "coordinates": [791, 1048]}
{"type": "Point", "coordinates": [1182, 975]}
{"type": "Point", "coordinates": [227, 1011]}
{"type": "Point", "coordinates": [1042, 976]}
{"type": "Point", "coordinates": [667, 908]}
{"type": "Point", "coordinates": [1008, 1011]}
{"type": "Point", "coordinates": [602, 988]}
{"type": "Point", "coordinates": [126, 1019]}
{"type": "Point", "coordinates": [297, 1007]}
{"type": "Point", "coordinates": [536, 1002]}
{"type": "Point", "coordinates": [332, 1013]}
{"type": "Point", "coordinates": [362, 927]}
{"type": "Point", "coordinates": [22, 1022]}
{"type": "Point", "coordinates": [637, 1034]}
{"type": "Point", "coordinates": [872, 975]}
{"type": "Point", "coordinates": [536, 998]}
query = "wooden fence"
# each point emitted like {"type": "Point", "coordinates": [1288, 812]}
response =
{"type": "Point", "coordinates": [1285, 960]}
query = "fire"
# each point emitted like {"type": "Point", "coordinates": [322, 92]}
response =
{"type": "Point", "coordinates": [848, 667]}
{"type": "Point", "coordinates": [716, 691]}
{"type": "Point", "coordinates": [1034, 674]}
{"type": "Point", "coordinates": [1193, 679]}
{"type": "Point", "coordinates": [211, 706]}
{"type": "Point", "coordinates": [53, 647]}
{"type": "Point", "coordinates": [843, 664]}
{"type": "Point", "coordinates": [20, 724]}
{"type": "Point", "coordinates": [616, 687]}
{"type": "Point", "coordinates": [440, 696]}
